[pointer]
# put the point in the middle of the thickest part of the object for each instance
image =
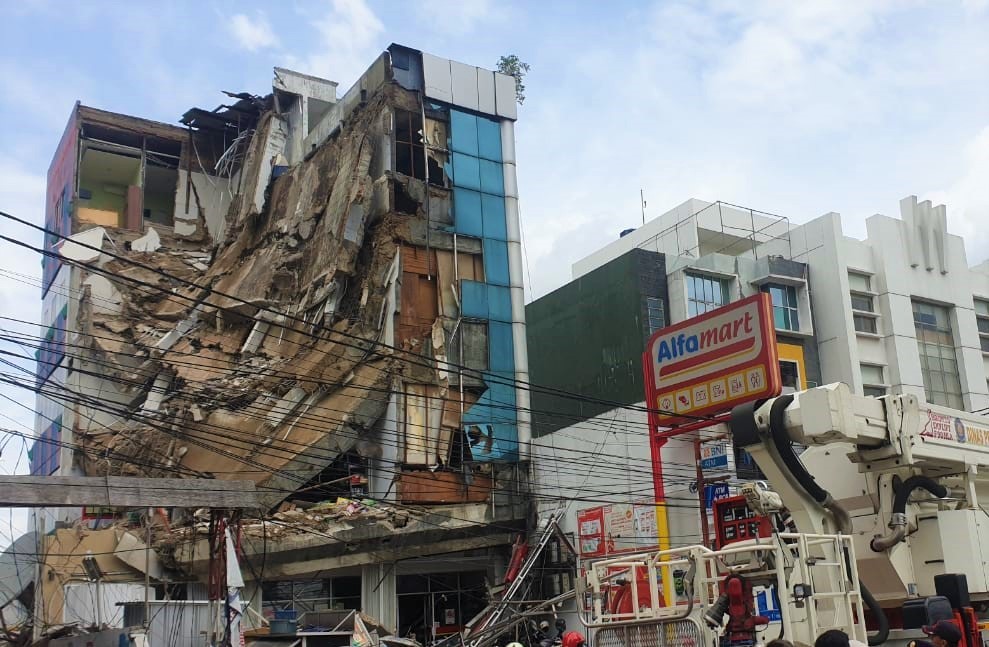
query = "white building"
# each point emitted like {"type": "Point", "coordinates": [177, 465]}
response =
{"type": "Point", "coordinates": [898, 312]}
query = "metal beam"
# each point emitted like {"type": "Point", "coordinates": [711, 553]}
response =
{"type": "Point", "coordinates": [124, 492]}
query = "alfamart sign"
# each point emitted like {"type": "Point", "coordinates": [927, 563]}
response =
{"type": "Point", "coordinates": [710, 363]}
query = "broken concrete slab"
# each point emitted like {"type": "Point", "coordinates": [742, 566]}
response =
{"type": "Point", "coordinates": [149, 242]}
{"type": "Point", "coordinates": [79, 247]}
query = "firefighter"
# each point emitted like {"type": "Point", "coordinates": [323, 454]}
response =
{"type": "Point", "coordinates": [543, 638]}
{"type": "Point", "coordinates": [573, 639]}
{"type": "Point", "coordinates": [944, 633]}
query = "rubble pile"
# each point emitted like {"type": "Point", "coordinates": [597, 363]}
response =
{"type": "Point", "coordinates": [256, 359]}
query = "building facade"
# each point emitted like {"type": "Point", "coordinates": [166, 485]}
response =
{"type": "Point", "coordinates": [900, 311]}
{"type": "Point", "coordinates": [318, 293]}
{"type": "Point", "coordinates": [692, 259]}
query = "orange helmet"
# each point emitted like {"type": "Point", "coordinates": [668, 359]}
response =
{"type": "Point", "coordinates": [573, 639]}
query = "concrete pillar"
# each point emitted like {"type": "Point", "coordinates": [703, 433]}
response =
{"type": "Point", "coordinates": [516, 286]}
{"type": "Point", "coordinates": [378, 593]}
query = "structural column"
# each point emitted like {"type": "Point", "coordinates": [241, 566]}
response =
{"type": "Point", "coordinates": [379, 594]}
{"type": "Point", "coordinates": [516, 286]}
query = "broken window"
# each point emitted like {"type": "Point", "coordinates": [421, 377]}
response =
{"type": "Point", "coordinates": [448, 273]}
{"type": "Point", "coordinates": [306, 596]}
{"type": "Point", "coordinates": [437, 156]}
{"type": "Point", "coordinates": [409, 151]}
{"type": "Point", "coordinates": [109, 188]}
{"type": "Point", "coordinates": [431, 417]}
{"type": "Point", "coordinates": [122, 185]}
{"type": "Point", "coordinates": [475, 340]}
{"type": "Point", "coordinates": [416, 146]}
{"type": "Point", "coordinates": [345, 477]}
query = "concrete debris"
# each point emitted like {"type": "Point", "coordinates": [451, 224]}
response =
{"type": "Point", "coordinates": [80, 246]}
{"type": "Point", "coordinates": [149, 242]}
{"type": "Point", "coordinates": [261, 347]}
{"type": "Point", "coordinates": [293, 521]}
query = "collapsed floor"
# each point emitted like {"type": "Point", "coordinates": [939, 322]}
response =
{"type": "Point", "coordinates": [261, 357]}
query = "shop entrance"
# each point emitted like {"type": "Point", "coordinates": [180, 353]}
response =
{"type": "Point", "coordinates": [431, 607]}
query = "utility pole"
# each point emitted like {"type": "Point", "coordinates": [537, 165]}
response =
{"type": "Point", "coordinates": [642, 204]}
{"type": "Point", "coordinates": [147, 573]}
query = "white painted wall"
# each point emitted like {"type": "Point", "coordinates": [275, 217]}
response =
{"type": "Point", "coordinates": [680, 231]}
{"type": "Point", "coordinates": [898, 274]}
{"type": "Point", "coordinates": [215, 194]}
{"type": "Point", "coordinates": [607, 460]}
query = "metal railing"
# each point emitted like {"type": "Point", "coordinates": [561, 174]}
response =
{"type": "Point", "coordinates": [814, 577]}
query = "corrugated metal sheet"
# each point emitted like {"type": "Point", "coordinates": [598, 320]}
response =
{"type": "Point", "coordinates": [80, 602]}
{"type": "Point", "coordinates": [175, 623]}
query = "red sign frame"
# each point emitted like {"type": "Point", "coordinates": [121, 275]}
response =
{"type": "Point", "coordinates": [714, 361]}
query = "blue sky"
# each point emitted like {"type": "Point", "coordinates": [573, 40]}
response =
{"type": "Point", "coordinates": [795, 108]}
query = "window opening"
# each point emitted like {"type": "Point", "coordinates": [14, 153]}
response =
{"type": "Point", "coordinates": [705, 293]}
{"type": "Point", "coordinates": [873, 380]}
{"type": "Point", "coordinates": [409, 151]}
{"type": "Point", "coordinates": [790, 376]}
{"type": "Point", "coordinates": [982, 321]}
{"type": "Point", "coordinates": [785, 309]}
{"type": "Point", "coordinates": [938, 360]}
{"type": "Point", "coordinates": [655, 314]}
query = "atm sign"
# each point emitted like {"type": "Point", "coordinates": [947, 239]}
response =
{"type": "Point", "coordinates": [710, 363]}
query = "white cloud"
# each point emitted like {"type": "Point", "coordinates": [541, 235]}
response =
{"type": "Point", "coordinates": [810, 62]}
{"type": "Point", "coordinates": [253, 33]}
{"type": "Point", "coordinates": [22, 193]}
{"type": "Point", "coordinates": [348, 36]}
{"type": "Point", "coordinates": [967, 199]}
{"type": "Point", "coordinates": [459, 17]}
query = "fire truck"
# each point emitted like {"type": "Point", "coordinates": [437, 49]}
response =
{"type": "Point", "coordinates": [877, 528]}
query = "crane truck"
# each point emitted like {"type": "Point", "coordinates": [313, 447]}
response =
{"type": "Point", "coordinates": [878, 530]}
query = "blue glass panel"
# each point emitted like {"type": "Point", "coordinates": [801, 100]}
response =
{"type": "Point", "coordinates": [488, 139]}
{"type": "Point", "coordinates": [495, 261]}
{"type": "Point", "coordinates": [499, 303]}
{"type": "Point", "coordinates": [506, 442]}
{"type": "Point", "coordinates": [493, 214]}
{"type": "Point", "coordinates": [466, 171]}
{"type": "Point", "coordinates": [501, 347]}
{"type": "Point", "coordinates": [474, 299]}
{"type": "Point", "coordinates": [502, 404]}
{"type": "Point", "coordinates": [492, 177]}
{"type": "Point", "coordinates": [467, 212]}
{"type": "Point", "coordinates": [463, 132]}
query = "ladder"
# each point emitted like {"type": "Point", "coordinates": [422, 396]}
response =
{"type": "Point", "coordinates": [476, 634]}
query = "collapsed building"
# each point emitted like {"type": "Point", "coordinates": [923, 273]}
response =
{"type": "Point", "coordinates": [319, 294]}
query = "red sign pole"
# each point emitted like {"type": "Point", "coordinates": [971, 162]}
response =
{"type": "Point", "coordinates": [696, 371]}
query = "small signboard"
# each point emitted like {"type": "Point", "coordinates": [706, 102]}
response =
{"type": "Point", "coordinates": [707, 364]}
{"type": "Point", "coordinates": [766, 606]}
{"type": "Point", "coordinates": [617, 528]}
{"type": "Point", "coordinates": [715, 492]}
{"type": "Point", "coordinates": [714, 456]}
